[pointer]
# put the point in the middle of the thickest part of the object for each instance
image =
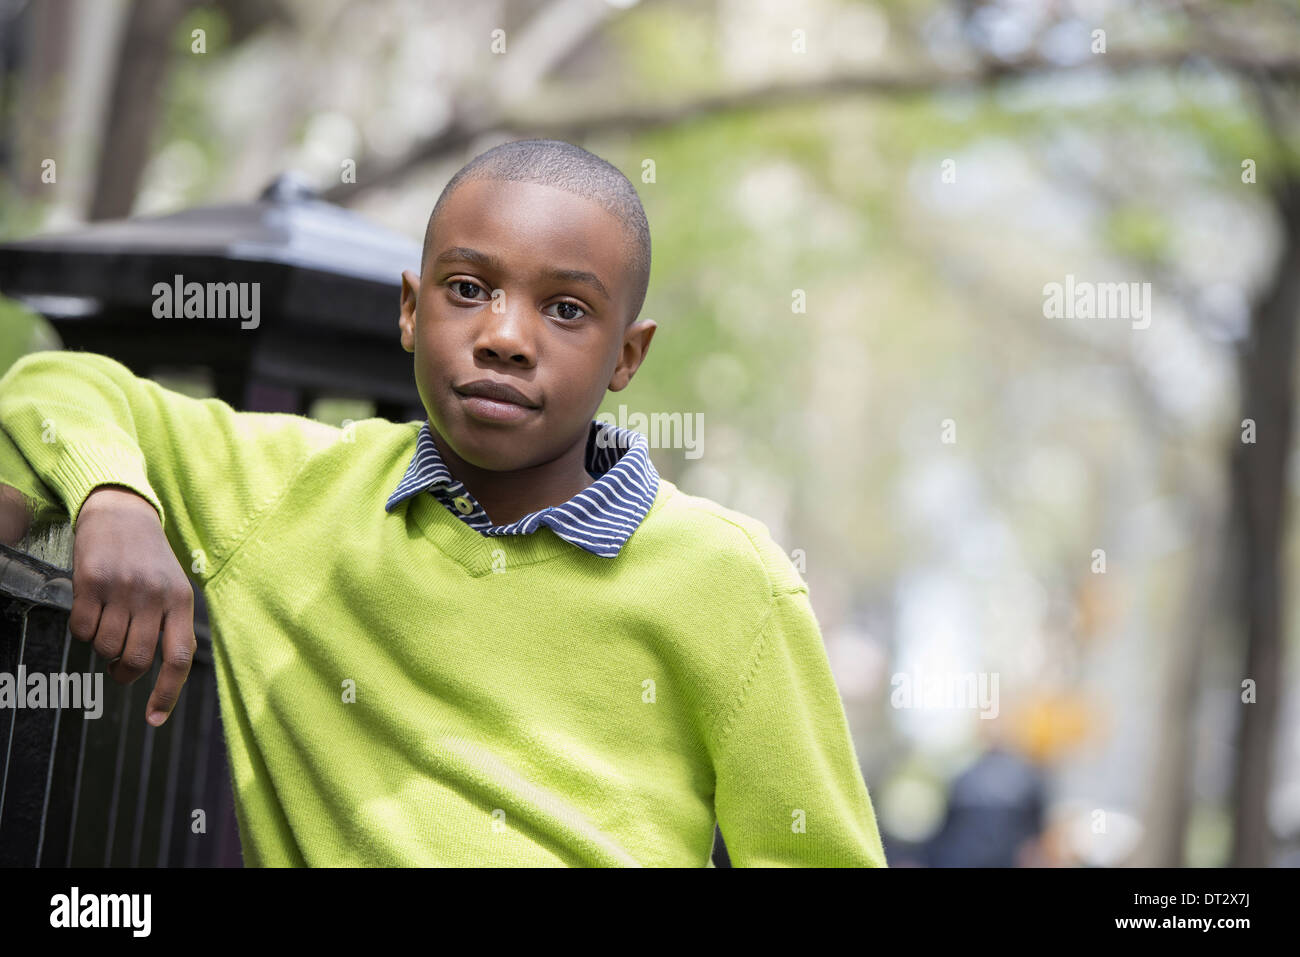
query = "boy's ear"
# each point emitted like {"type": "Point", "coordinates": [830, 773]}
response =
{"type": "Point", "coordinates": [636, 342]}
{"type": "Point", "coordinates": [406, 315]}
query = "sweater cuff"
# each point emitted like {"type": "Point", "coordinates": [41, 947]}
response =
{"type": "Point", "coordinates": [82, 469]}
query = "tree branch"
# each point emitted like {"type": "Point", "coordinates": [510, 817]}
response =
{"type": "Point", "coordinates": [463, 130]}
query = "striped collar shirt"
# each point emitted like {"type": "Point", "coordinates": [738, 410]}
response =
{"type": "Point", "coordinates": [600, 518]}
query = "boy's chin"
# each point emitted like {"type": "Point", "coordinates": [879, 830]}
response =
{"type": "Point", "coordinates": [490, 447]}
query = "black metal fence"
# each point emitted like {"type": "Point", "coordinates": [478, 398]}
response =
{"type": "Point", "coordinates": [112, 790]}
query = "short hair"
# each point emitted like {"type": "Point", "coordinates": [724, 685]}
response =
{"type": "Point", "coordinates": [563, 166]}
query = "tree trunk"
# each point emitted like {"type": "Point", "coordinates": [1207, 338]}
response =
{"type": "Point", "coordinates": [1169, 798]}
{"type": "Point", "coordinates": [1259, 494]}
{"type": "Point", "coordinates": [134, 106]}
{"type": "Point", "coordinates": [38, 110]}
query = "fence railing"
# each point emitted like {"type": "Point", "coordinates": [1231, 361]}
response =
{"type": "Point", "coordinates": [112, 790]}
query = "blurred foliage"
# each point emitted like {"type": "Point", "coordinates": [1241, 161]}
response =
{"type": "Point", "coordinates": [1142, 235]}
{"type": "Point", "coordinates": [22, 331]}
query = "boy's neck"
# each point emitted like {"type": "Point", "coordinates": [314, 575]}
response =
{"type": "Point", "coordinates": [509, 496]}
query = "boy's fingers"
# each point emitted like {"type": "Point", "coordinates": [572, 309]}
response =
{"type": "Point", "coordinates": [111, 635]}
{"type": "Point", "coordinates": [178, 646]}
{"type": "Point", "coordinates": [138, 651]}
{"type": "Point", "coordinates": [83, 621]}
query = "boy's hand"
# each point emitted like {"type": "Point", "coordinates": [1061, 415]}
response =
{"type": "Point", "coordinates": [126, 585]}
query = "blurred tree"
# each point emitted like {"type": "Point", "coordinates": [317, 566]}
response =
{"type": "Point", "coordinates": [139, 84]}
{"type": "Point", "coordinates": [145, 56]}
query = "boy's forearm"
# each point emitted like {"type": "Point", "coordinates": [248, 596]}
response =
{"type": "Point", "coordinates": [81, 420]}
{"type": "Point", "coordinates": [26, 502]}
{"type": "Point", "coordinates": [73, 427]}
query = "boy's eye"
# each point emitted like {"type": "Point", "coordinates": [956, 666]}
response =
{"type": "Point", "coordinates": [570, 305]}
{"type": "Point", "coordinates": [460, 283]}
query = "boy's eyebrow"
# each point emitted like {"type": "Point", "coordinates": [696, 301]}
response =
{"type": "Point", "coordinates": [465, 254]}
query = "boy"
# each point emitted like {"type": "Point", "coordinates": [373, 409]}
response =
{"type": "Point", "coordinates": [494, 638]}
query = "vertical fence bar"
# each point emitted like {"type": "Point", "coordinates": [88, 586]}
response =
{"type": "Point", "coordinates": [9, 662]}
{"type": "Point", "coordinates": [54, 752]}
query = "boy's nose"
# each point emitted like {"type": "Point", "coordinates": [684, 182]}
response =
{"type": "Point", "coordinates": [505, 335]}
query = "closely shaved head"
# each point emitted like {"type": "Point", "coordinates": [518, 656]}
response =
{"type": "Point", "coordinates": [562, 165]}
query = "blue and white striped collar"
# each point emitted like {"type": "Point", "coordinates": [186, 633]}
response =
{"type": "Point", "coordinates": [600, 518]}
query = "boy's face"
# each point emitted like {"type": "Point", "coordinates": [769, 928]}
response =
{"type": "Point", "coordinates": [560, 340]}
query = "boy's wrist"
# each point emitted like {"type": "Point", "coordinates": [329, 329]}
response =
{"type": "Point", "coordinates": [113, 496]}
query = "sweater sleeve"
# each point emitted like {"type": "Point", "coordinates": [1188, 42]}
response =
{"type": "Point", "coordinates": [789, 790]}
{"type": "Point", "coordinates": [41, 505]}
{"type": "Point", "coordinates": [81, 420]}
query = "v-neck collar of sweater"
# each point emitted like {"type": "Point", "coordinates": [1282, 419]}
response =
{"type": "Point", "coordinates": [600, 518]}
{"type": "Point", "coordinates": [481, 555]}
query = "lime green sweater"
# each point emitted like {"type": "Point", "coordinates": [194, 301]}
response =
{"type": "Point", "coordinates": [398, 689]}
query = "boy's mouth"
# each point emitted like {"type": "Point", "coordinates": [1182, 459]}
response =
{"type": "Point", "coordinates": [495, 401]}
